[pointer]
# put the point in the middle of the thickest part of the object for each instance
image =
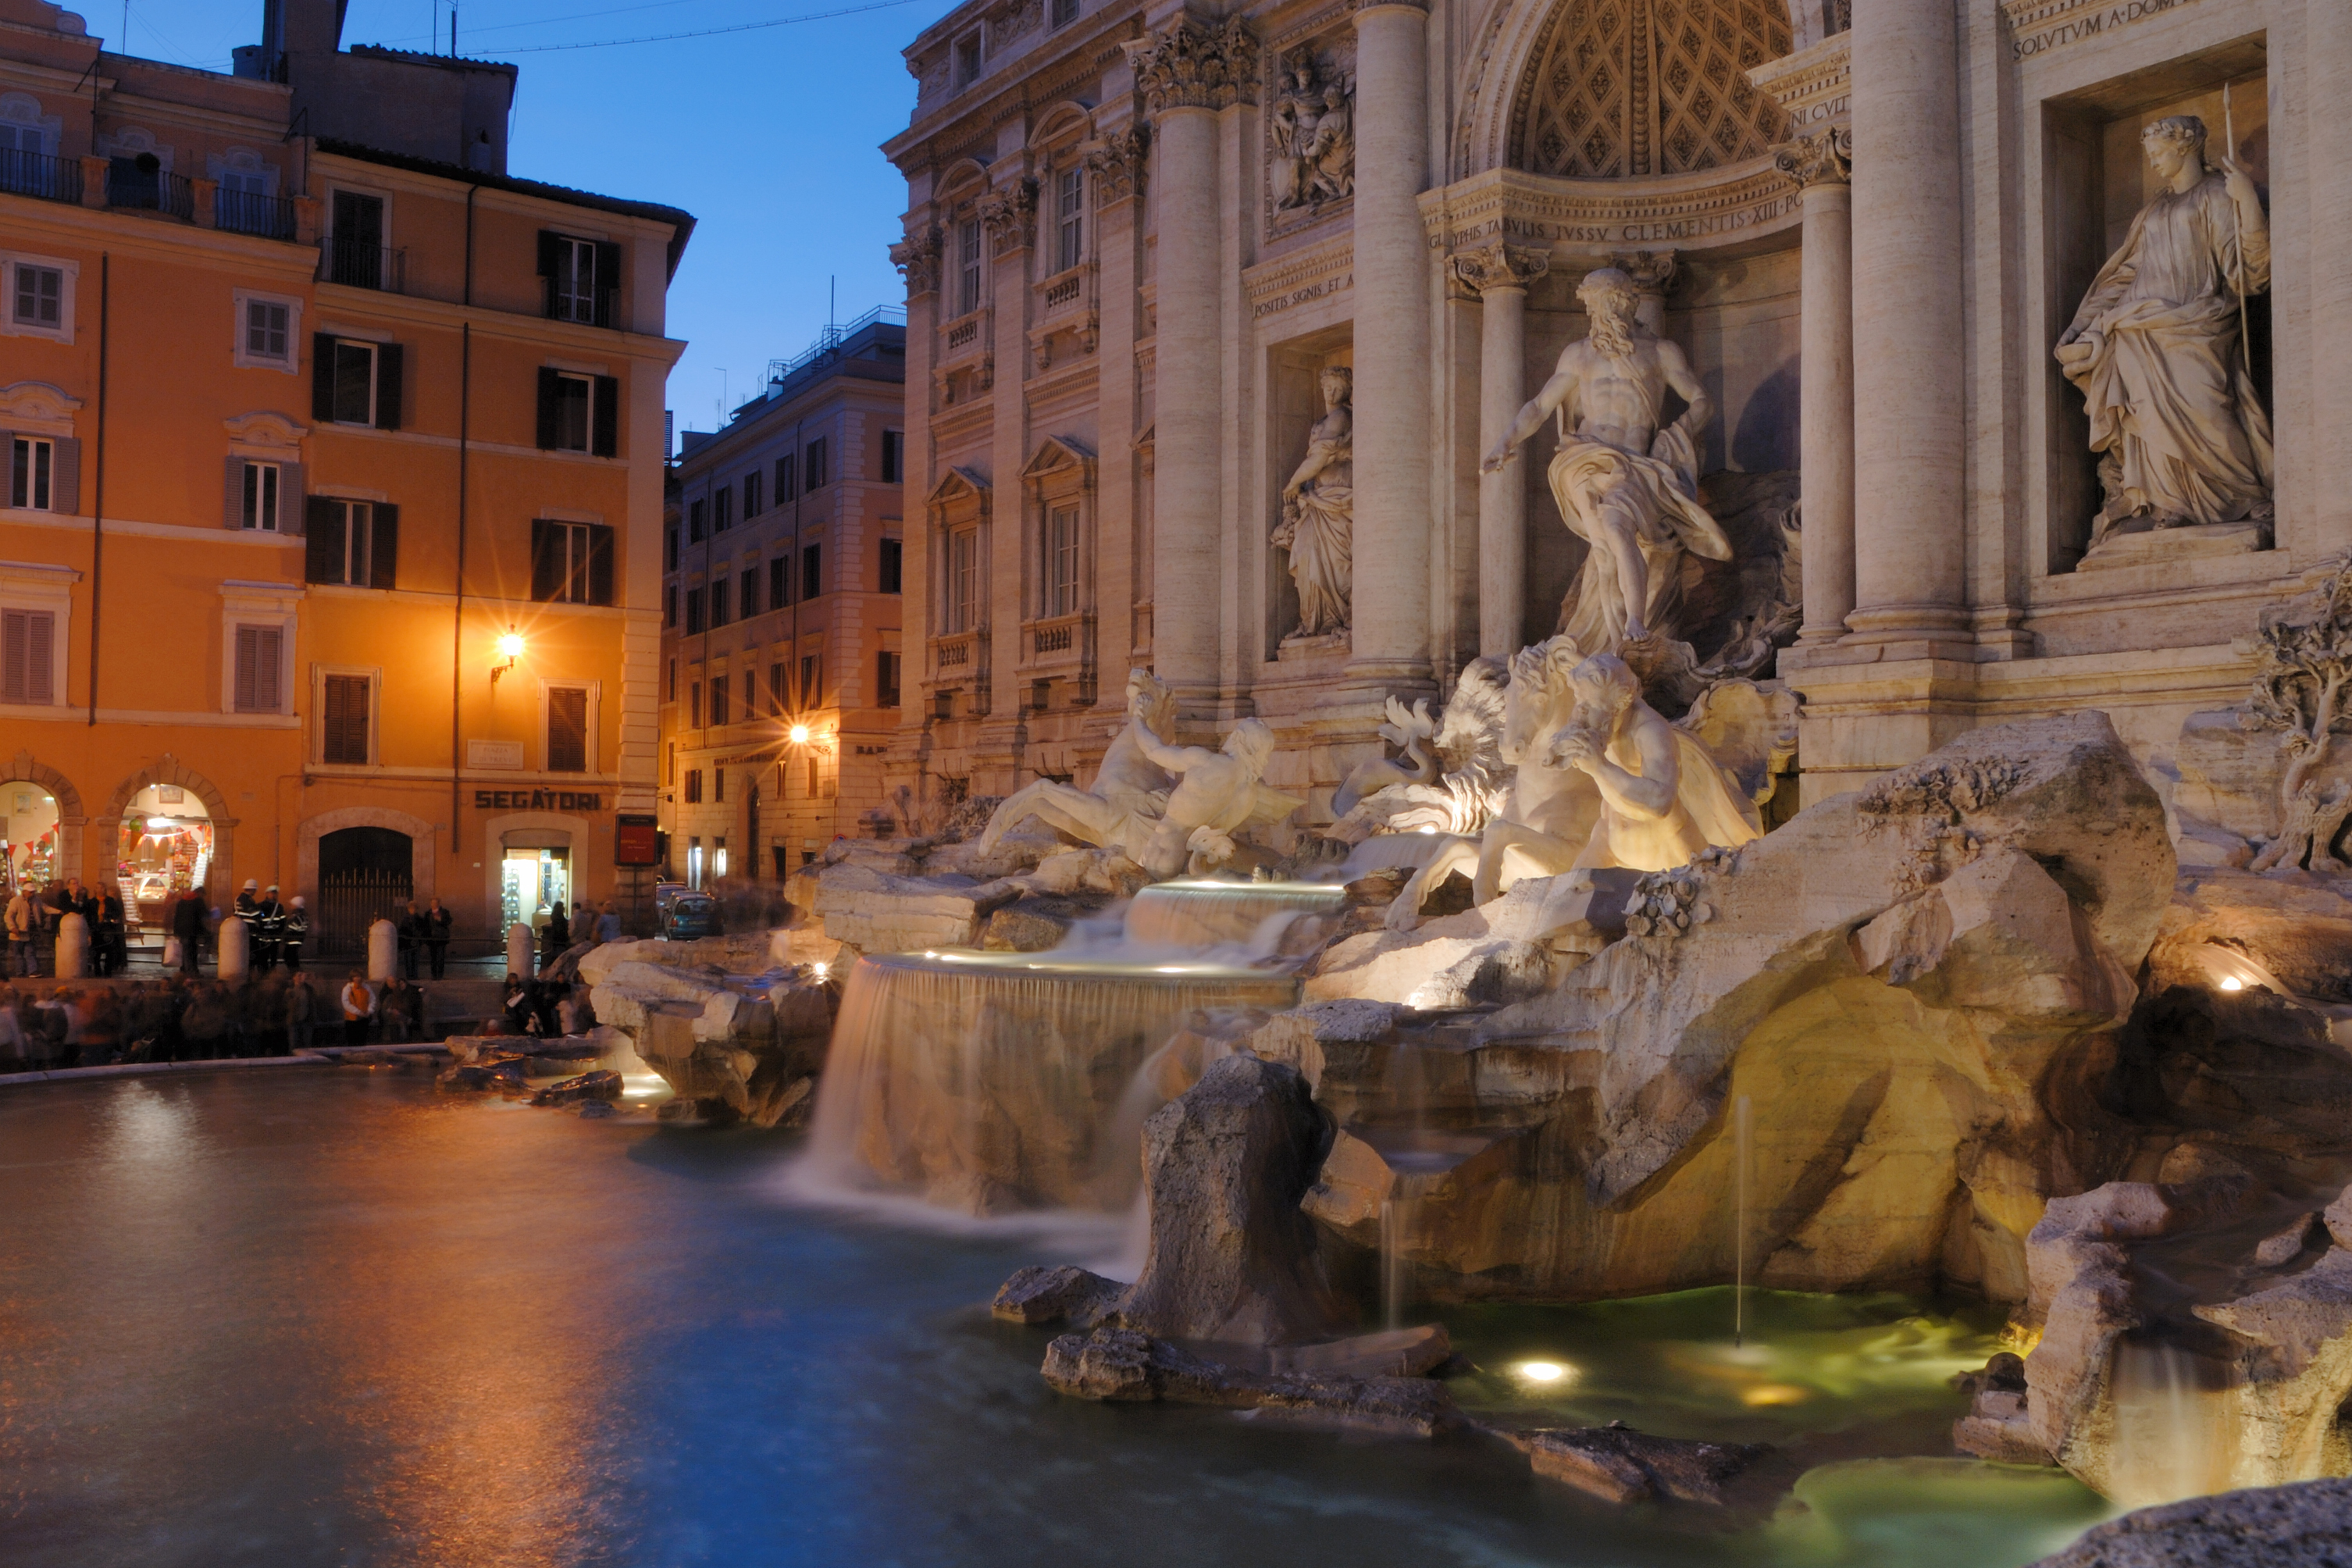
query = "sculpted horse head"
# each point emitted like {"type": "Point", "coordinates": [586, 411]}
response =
{"type": "Point", "coordinates": [1538, 701]}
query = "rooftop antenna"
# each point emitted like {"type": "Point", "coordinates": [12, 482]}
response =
{"type": "Point", "coordinates": [453, 32]}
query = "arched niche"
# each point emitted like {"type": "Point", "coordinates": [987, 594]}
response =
{"type": "Point", "coordinates": [167, 769]}
{"type": "Point", "coordinates": [311, 830]}
{"type": "Point", "coordinates": [24, 768]}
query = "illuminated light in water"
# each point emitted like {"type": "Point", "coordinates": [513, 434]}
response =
{"type": "Point", "coordinates": [1543, 1370]}
{"type": "Point", "coordinates": [1428, 830]}
{"type": "Point", "coordinates": [2232, 982]}
{"type": "Point", "coordinates": [820, 970]}
{"type": "Point", "coordinates": [1771, 1393]}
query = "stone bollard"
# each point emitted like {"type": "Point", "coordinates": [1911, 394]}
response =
{"type": "Point", "coordinates": [520, 949]}
{"type": "Point", "coordinates": [383, 952]}
{"type": "Point", "coordinates": [73, 948]}
{"type": "Point", "coordinates": [232, 948]}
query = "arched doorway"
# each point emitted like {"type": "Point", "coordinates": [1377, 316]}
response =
{"type": "Point", "coordinates": [165, 846]}
{"type": "Point", "coordinates": [32, 838]}
{"type": "Point", "coordinates": [365, 874]}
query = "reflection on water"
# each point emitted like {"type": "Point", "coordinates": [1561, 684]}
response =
{"type": "Point", "coordinates": [327, 1318]}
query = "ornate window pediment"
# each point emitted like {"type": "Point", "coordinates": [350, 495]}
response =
{"type": "Point", "coordinates": [958, 484]}
{"type": "Point", "coordinates": [263, 429]}
{"type": "Point", "coordinates": [1056, 453]}
{"type": "Point", "coordinates": [37, 406]}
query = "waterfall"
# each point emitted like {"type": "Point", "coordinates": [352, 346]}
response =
{"type": "Point", "coordinates": [2175, 1436]}
{"type": "Point", "coordinates": [998, 1081]}
{"type": "Point", "coordinates": [1205, 915]}
{"type": "Point", "coordinates": [1739, 1117]}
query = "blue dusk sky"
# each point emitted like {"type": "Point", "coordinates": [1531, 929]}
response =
{"type": "Point", "coordinates": [769, 137]}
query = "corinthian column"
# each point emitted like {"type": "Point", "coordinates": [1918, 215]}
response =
{"type": "Point", "coordinates": [1822, 164]}
{"type": "Point", "coordinates": [1499, 275]}
{"type": "Point", "coordinates": [1907, 341]}
{"type": "Point", "coordinates": [1187, 73]}
{"type": "Point", "coordinates": [1390, 624]}
{"type": "Point", "coordinates": [2329, 57]}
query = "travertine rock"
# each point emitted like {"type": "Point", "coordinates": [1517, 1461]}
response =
{"type": "Point", "coordinates": [1618, 1464]}
{"type": "Point", "coordinates": [1065, 1294]}
{"type": "Point", "coordinates": [605, 1084]}
{"type": "Point", "coordinates": [1126, 1365]}
{"type": "Point", "coordinates": [2304, 1526]}
{"type": "Point", "coordinates": [1232, 1258]}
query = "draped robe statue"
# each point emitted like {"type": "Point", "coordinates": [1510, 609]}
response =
{"type": "Point", "coordinates": [1626, 488]}
{"type": "Point", "coordinates": [1318, 512]}
{"type": "Point", "coordinates": [2155, 347]}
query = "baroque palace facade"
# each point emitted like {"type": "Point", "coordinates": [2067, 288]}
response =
{"type": "Point", "coordinates": [1212, 316]}
{"type": "Point", "coordinates": [330, 555]}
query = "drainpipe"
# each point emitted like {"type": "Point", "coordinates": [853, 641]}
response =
{"type": "Point", "coordinates": [457, 621]}
{"type": "Point", "coordinates": [97, 481]}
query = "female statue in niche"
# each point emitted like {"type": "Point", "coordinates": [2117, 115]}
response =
{"type": "Point", "coordinates": [2181, 438]}
{"type": "Point", "coordinates": [1318, 512]}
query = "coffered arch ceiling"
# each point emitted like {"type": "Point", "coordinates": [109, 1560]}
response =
{"type": "Point", "coordinates": [1634, 90]}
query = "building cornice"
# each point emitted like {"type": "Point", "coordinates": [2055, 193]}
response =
{"type": "Point", "coordinates": [1812, 86]}
{"type": "Point", "coordinates": [1685, 211]}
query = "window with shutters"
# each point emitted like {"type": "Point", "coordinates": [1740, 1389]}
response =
{"type": "Point", "coordinates": [780, 582]}
{"type": "Point", "coordinates": [811, 680]}
{"type": "Point", "coordinates": [574, 396]}
{"type": "Point", "coordinates": [967, 267]}
{"type": "Point", "coordinates": [784, 470]}
{"type": "Point", "coordinates": [673, 680]}
{"type": "Point", "coordinates": [572, 563]}
{"type": "Point", "coordinates": [694, 790]}
{"type": "Point", "coordinates": [813, 466]}
{"type": "Point", "coordinates": [751, 507]}
{"type": "Point", "coordinates": [812, 574]}
{"type": "Point", "coordinates": [718, 701]}
{"type": "Point", "coordinates": [694, 705]}
{"type": "Point", "coordinates": [719, 792]}
{"type": "Point", "coordinates": [894, 566]}
{"type": "Point", "coordinates": [580, 412]}
{"type": "Point", "coordinates": [669, 549]}
{"type": "Point", "coordinates": [257, 497]}
{"type": "Point", "coordinates": [32, 473]}
{"type": "Point", "coordinates": [885, 679]}
{"type": "Point", "coordinates": [693, 612]}
{"type": "Point", "coordinates": [352, 543]}
{"type": "Point", "coordinates": [567, 730]}
{"type": "Point", "coordinates": [576, 284]}
{"type": "Point", "coordinates": [963, 580]}
{"type": "Point", "coordinates": [39, 299]}
{"type": "Point", "coordinates": [748, 587]}
{"type": "Point", "coordinates": [352, 368]}
{"type": "Point", "coordinates": [697, 524]}
{"type": "Point", "coordinates": [1069, 219]}
{"type": "Point", "coordinates": [1062, 561]}
{"type": "Point", "coordinates": [346, 708]}
{"type": "Point", "coordinates": [718, 617]}
{"type": "Point", "coordinates": [259, 680]}
{"type": "Point", "coordinates": [670, 607]}
{"type": "Point", "coordinates": [894, 455]}
{"type": "Point", "coordinates": [777, 699]}
{"type": "Point", "coordinates": [1063, 13]}
{"type": "Point", "coordinates": [267, 335]}
{"type": "Point", "coordinates": [28, 658]}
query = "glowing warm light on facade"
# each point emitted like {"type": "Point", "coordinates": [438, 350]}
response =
{"type": "Point", "coordinates": [800, 734]}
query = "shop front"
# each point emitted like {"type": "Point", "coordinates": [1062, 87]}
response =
{"type": "Point", "coordinates": [32, 835]}
{"type": "Point", "coordinates": [164, 848]}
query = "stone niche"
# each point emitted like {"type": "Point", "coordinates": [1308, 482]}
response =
{"type": "Point", "coordinates": [1294, 402]}
{"type": "Point", "coordinates": [1734, 312]}
{"type": "Point", "coordinates": [2095, 181]}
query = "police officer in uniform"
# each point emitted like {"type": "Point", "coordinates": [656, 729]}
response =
{"type": "Point", "coordinates": [291, 929]}
{"type": "Point", "coordinates": [269, 933]}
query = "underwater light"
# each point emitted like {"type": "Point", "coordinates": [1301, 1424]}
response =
{"type": "Point", "coordinates": [2232, 982]}
{"type": "Point", "coordinates": [820, 970]}
{"type": "Point", "coordinates": [1542, 1371]}
{"type": "Point", "coordinates": [1426, 829]}
{"type": "Point", "coordinates": [1768, 1393]}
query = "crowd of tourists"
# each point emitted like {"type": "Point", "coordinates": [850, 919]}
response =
{"type": "Point", "coordinates": [33, 917]}
{"type": "Point", "coordinates": [180, 1019]}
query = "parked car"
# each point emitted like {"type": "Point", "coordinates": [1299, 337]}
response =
{"type": "Point", "coordinates": [664, 895]}
{"type": "Point", "coordinates": [690, 915]}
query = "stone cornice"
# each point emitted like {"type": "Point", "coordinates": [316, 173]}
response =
{"type": "Point", "coordinates": [1691, 212]}
{"type": "Point", "coordinates": [1812, 86]}
{"type": "Point", "coordinates": [1824, 158]}
{"type": "Point", "coordinates": [1196, 65]}
{"type": "Point", "coordinates": [1271, 287]}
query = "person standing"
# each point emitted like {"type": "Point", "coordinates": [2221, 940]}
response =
{"type": "Point", "coordinates": [436, 924]}
{"type": "Point", "coordinates": [188, 926]}
{"type": "Point", "coordinates": [357, 1003]}
{"type": "Point", "coordinates": [608, 924]}
{"type": "Point", "coordinates": [411, 929]}
{"type": "Point", "coordinates": [107, 939]}
{"type": "Point", "coordinates": [291, 936]}
{"type": "Point", "coordinates": [22, 919]}
{"type": "Point", "coordinates": [556, 937]}
{"type": "Point", "coordinates": [269, 933]}
{"type": "Point", "coordinates": [301, 1013]}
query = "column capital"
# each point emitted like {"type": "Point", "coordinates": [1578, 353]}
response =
{"type": "Point", "coordinates": [917, 258]}
{"type": "Point", "coordinates": [1824, 158]}
{"type": "Point", "coordinates": [1117, 164]}
{"type": "Point", "coordinates": [1006, 213]}
{"type": "Point", "coordinates": [1499, 265]}
{"type": "Point", "coordinates": [1195, 64]}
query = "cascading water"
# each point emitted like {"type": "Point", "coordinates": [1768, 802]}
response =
{"type": "Point", "coordinates": [2175, 1426]}
{"type": "Point", "coordinates": [1740, 1114]}
{"type": "Point", "coordinates": [992, 1082]}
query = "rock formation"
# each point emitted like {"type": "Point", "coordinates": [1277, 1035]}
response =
{"type": "Point", "coordinates": [2304, 1526]}
{"type": "Point", "coordinates": [730, 1020]}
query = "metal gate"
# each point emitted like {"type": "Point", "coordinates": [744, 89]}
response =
{"type": "Point", "coordinates": [350, 902]}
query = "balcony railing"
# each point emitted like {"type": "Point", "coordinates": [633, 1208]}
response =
{"type": "Point", "coordinates": [360, 266]}
{"type": "Point", "coordinates": [250, 212]}
{"type": "Point", "coordinates": [148, 190]}
{"type": "Point", "coordinates": [39, 175]}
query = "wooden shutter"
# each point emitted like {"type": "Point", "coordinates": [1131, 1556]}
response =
{"type": "Point", "coordinates": [551, 389]}
{"type": "Point", "coordinates": [64, 478]}
{"type": "Point", "coordinates": [233, 506]}
{"type": "Point", "coordinates": [384, 547]}
{"type": "Point", "coordinates": [567, 728]}
{"type": "Point", "coordinates": [344, 727]}
{"type": "Point", "coordinates": [605, 440]}
{"type": "Point", "coordinates": [27, 639]}
{"type": "Point", "coordinates": [600, 563]}
{"type": "Point", "coordinates": [549, 259]}
{"type": "Point", "coordinates": [322, 377]}
{"type": "Point", "coordinates": [388, 380]}
{"type": "Point", "coordinates": [608, 283]}
{"type": "Point", "coordinates": [546, 558]}
{"type": "Point", "coordinates": [290, 499]}
{"type": "Point", "coordinates": [322, 553]}
{"type": "Point", "coordinates": [257, 651]}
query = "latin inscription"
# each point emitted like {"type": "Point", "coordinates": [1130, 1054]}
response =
{"type": "Point", "coordinates": [2103, 20]}
{"type": "Point", "coordinates": [1315, 291]}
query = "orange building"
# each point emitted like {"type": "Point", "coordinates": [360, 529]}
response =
{"type": "Point", "coordinates": [331, 550]}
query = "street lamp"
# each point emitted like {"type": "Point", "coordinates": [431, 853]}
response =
{"type": "Point", "coordinates": [800, 734]}
{"type": "Point", "coordinates": [510, 648]}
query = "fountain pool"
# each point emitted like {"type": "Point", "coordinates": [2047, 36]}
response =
{"type": "Point", "coordinates": [324, 1317]}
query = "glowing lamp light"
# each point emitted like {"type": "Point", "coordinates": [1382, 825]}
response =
{"type": "Point", "coordinates": [800, 734]}
{"type": "Point", "coordinates": [2232, 982]}
{"type": "Point", "coordinates": [821, 971]}
{"type": "Point", "coordinates": [511, 646]}
{"type": "Point", "coordinates": [1425, 828]}
{"type": "Point", "coordinates": [1540, 1371]}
